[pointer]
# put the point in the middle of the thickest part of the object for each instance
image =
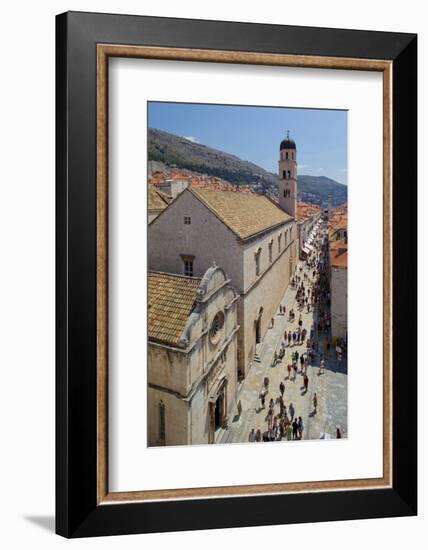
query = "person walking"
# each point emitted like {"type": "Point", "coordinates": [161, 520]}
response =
{"type": "Point", "coordinates": [300, 427]}
{"type": "Point", "coordinates": [315, 402]}
{"type": "Point", "coordinates": [252, 436]}
{"type": "Point", "coordinates": [289, 338]}
{"type": "Point", "coordinates": [289, 371]}
{"type": "Point", "coordinates": [288, 430]}
{"type": "Point", "coordinates": [295, 433]}
{"type": "Point", "coordinates": [269, 418]}
{"type": "Point", "coordinates": [280, 400]}
{"type": "Point", "coordinates": [275, 359]}
{"type": "Point", "coordinates": [305, 382]}
{"type": "Point", "coordinates": [321, 369]}
{"type": "Point", "coordinates": [291, 411]}
{"type": "Point", "coordinates": [338, 434]}
{"type": "Point", "coordinates": [262, 400]}
{"type": "Point", "coordinates": [258, 436]}
{"type": "Point", "coordinates": [282, 388]}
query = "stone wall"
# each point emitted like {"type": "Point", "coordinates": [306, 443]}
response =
{"type": "Point", "coordinates": [194, 375]}
{"type": "Point", "coordinates": [206, 238]}
{"type": "Point", "coordinates": [339, 302]}
{"type": "Point", "coordinates": [176, 418]}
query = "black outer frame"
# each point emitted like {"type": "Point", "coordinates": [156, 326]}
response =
{"type": "Point", "coordinates": [77, 513]}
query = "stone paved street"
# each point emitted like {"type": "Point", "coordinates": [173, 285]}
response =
{"type": "Point", "coordinates": [330, 387]}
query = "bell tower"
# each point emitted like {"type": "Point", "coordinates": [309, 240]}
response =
{"type": "Point", "coordinates": [288, 176]}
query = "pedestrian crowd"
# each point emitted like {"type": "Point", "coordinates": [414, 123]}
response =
{"type": "Point", "coordinates": [310, 283]}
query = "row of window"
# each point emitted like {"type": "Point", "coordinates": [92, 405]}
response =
{"type": "Point", "coordinates": [188, 261]}
{"type": "Point", "coordinates": [270, 248]}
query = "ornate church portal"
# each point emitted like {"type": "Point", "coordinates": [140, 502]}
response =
{"type": "Point", "coordinates": [218, 411]}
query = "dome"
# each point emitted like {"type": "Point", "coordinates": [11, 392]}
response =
{"type": "Point", "coordinates": [287, 144]}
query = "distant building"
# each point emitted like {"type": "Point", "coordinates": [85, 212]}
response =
{"type": "Point", "coordinates": [308, 216]}
{"type": "Point", "coordinates": [338, 271]}
{"type": "Point", "coordinates": [173, 187]}
{"type": "Point", "coordinates": [157, 202]}
{"type": "Point", "coordinates": [192, 382]}
{"type": "Point", "coordinates": [329, 209]}
{"type": "Point", "coordinates": [287, 166]}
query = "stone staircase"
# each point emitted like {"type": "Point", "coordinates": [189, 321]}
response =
{"type": "Point", "coordinates": [258, 355]}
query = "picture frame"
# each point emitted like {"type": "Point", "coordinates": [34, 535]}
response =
{"type": "Point", "coordinates": [84, 44]}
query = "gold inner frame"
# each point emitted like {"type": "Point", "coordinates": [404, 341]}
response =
{"type": "Point", "coordinates": [104, 52]}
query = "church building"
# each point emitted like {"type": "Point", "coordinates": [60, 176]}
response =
{"type": "Point", "coordinates": [253, 238]}
{"type": "Point", "coordinates": [192, 378]}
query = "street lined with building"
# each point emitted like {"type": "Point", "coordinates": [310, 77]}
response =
{"type": "Point", "coordinates": [223, 265]}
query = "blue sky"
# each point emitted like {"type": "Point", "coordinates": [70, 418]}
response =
{"type": "Point", "coordinates": [254, 133]}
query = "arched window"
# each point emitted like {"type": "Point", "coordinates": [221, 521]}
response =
{"type": "Point", "coordinates": [289, 174]}
{"type": "Point", "coordinates": [161, 421]}
{"type": "Point", "coordinates": [283, 174]}
{"type": "Point", "coordinates": [286, 155]}
{"type": "Point", "coordinates": [257, 259]}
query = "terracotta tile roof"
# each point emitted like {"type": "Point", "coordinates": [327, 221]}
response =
{"type": "Point", "coordinates": [339, 253]}
{"type": "Point", "coordinates": [245, 214]}
{"type": "Point", "coordinates": [157, 199]}
{"type": "Point", "coordinates": [197, 180]}
{"type": "Point", "coordinates": [170, 302]}
{"type": "Point", "coordinates": [306, 210]}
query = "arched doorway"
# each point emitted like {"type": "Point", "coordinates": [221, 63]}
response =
{"type": "Point", "coordinates": [218, 412]}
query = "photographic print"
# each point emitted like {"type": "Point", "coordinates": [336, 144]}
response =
{"type": "Point", "coordinates": [247, 274]}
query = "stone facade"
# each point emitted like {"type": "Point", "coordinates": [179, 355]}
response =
{"type": "Point", "coordinates": [339, 301]}
{"type": "Point", "coordinates": [259, 267]}
{"type": "Point", "coordinates": [173, 187]}
{"type": "Point", "coordinates": [192, 385]}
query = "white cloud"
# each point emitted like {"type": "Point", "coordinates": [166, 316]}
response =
{"type": "Point", "coordinates": [191, 138]}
